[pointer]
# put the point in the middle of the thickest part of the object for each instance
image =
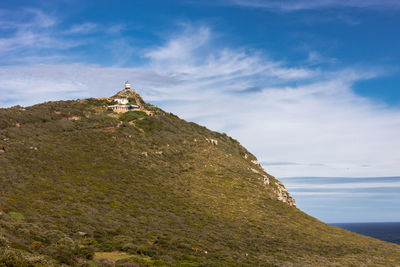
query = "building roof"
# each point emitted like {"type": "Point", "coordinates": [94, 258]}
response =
{"type": "Point", "coordinates": [124, 106]}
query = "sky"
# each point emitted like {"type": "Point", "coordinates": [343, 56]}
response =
{"type": "Point", "coordinates": [311, 88]}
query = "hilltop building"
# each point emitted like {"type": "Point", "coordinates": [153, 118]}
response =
{"type": "Point", "coordinates": [122, 108]}
{"type": "Point", "coordinates": [122, 101]}
{"type": "Point", "coordinates": [127, 85]}
{"type": "Point", "coordinates": [123, 105]}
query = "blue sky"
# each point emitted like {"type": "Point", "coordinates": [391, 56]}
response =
{"type": "Point", "coordinates": [310, 87]}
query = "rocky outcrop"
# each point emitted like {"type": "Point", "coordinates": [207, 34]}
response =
{"type": "Point", "coordinates": [283, 194]}
{"type": "Point", "coordinates": [212, 141]}
{"type": "Point", "coordinates": [278, 187]}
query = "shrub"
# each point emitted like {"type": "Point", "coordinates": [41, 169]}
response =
{"type": "Point", "coordinates": [145, 251]}
{"type": "Point", "coordinates": [132, 115]}
{"type": "Point", "coordinates": [148, 125]}
{"type": "Point", "coordinates": [129, 247]}
{"type": "Point", "coordinates": [8, 258]}
{"type": "Point", "coordinates": [105, 263]}
{"type": "Point", "coordinates": [64, 254]}
{"type": "Point", "coordinates": [85, 252]}
{"type": "Point", "coordinates": [128, 263]}
{"type": "Point", "coordinates": [3, 241]}
{"type": "Point", "coordinates": [66, 241]}
{"type": "Point", "coordinates": [36, 245]}
{"type": "Point", "coordinates": [96, 102]}
{"type": "Point", "coordinates": [16, 216]}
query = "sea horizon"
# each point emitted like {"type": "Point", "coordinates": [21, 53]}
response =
{"type": "Point", "coordinates": [333, 223]}
{"type": "Point", "coordinates": [385, 231]}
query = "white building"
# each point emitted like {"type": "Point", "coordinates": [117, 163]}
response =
{"type": "Point", "coordinates": [127, 85]}
{"type": "Point", "coordinates": [122, 101]}
{"type": "Point", "coordinates": [122, 108]}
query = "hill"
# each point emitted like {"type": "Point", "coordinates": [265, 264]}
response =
{"type": "Point", "coordinates": [83, 186]}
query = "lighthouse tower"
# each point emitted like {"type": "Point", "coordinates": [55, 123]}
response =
{"type": "Point", "coordinates": [127, 85]}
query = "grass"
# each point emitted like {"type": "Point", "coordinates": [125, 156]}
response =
{"type": "Point", "coordinates": [16, 215]}
{"type": "Point", "coordinates": [132, 115]}
{"type": "Point", "coordinates": [152, 189]}
{"type": "Point", "coordinates": [114, 256]}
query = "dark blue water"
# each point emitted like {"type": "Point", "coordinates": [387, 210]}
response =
{"type": "Point", "coordinates": [384, 231]}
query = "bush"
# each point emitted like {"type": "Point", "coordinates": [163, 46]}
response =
{"type": "Point", "coordinates": [3, 241]}
{"type": "Point", "coordinates": [132, 115]}
{"type": "Point", "coordinates": [105, 263]}
{"type": "Point", "coordinates": [66, 241]}
{"type": "Point", "coordinates": [129, 247]}
{"type": "Point", "coordinates": [16, 216]}
{"type": "Point", "coordinates": [146, 251]}
{"type": "Point", "coordinates": [13, 259]}
{"type": "Point", "coordinates": [36, 245]}
{"type": "Point", "coordinates": [96, 102]}
{"type": "Point", "coordinates": [64, 254]}
{"type": "Point", "coordinates": [86, 252]}
{"type": "Point", "coordinates": [148, 125]}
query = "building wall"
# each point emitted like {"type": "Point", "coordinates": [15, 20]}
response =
{"type": "Point", "coordinates": [119, 109]}
{"type": "Point", "coordinates": [121, 100]}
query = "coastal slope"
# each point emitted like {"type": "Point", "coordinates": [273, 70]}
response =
{"type": "Point", "coordinates": [84, 186]}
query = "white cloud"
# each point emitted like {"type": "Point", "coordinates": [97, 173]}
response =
{"type": "Point", "coordinates": [340, 198]}
{"type": "Point", "coordinates": [315, 58]}
{"type": "Point", "coordinates": [84, 28]}
{"type": "Point", "coordinates": [27, 85]}
{"type": "Point", "coordinates": [31, 31]}
{"type": "Point", "coordinates": [353, 195]}
{"type": "Point", "coordinates": [26, 19]}
{"type": "Point", "coordinates": [40, 19]}
{"type": "Point", "coordinates": [294, 5]}
{"type": "Point", "coordinates": [359, 185]}
{"type": "Point", "coordinates": [320, 122]}
{"type": "Point", "coordinates": [115, 29]}
{"type": "Point", "coordinates": [182, 46]}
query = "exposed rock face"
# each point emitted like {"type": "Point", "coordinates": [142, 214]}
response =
{"type": "Point", "coordinates": [212, 141]}
{"type": "Point", "coordinates": [279, 188]}
{"type": "Point", "coordinates": [254, 170]}
{"type": "Point", "coordinates": [283, 194]}
{"type": "Point", "coordinates": [265, 179]}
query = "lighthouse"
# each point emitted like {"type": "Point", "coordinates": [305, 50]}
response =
{"type": "Point", "coordinates": [123, 100]}
{"type": "Point", "coordinates": [127, 85]}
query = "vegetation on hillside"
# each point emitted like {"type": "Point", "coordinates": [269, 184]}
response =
{"type": "Point", "coordinates": [82, 186]}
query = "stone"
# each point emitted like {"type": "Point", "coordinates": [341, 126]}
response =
{"type": "Point", "coordinates": [265, 179]}
{"type": "Point", "coordinates": [212, 141]}
{"type": "Point", "coordinates": [254, 170]}
{"type": "Point", "coordinates": [283, 194]}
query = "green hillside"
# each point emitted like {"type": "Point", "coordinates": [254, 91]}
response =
{"type": "Point", "coordinates": [82, 186]}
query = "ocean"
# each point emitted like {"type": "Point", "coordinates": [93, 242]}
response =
{"type": "Point", "coordinates": [384, 231]}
